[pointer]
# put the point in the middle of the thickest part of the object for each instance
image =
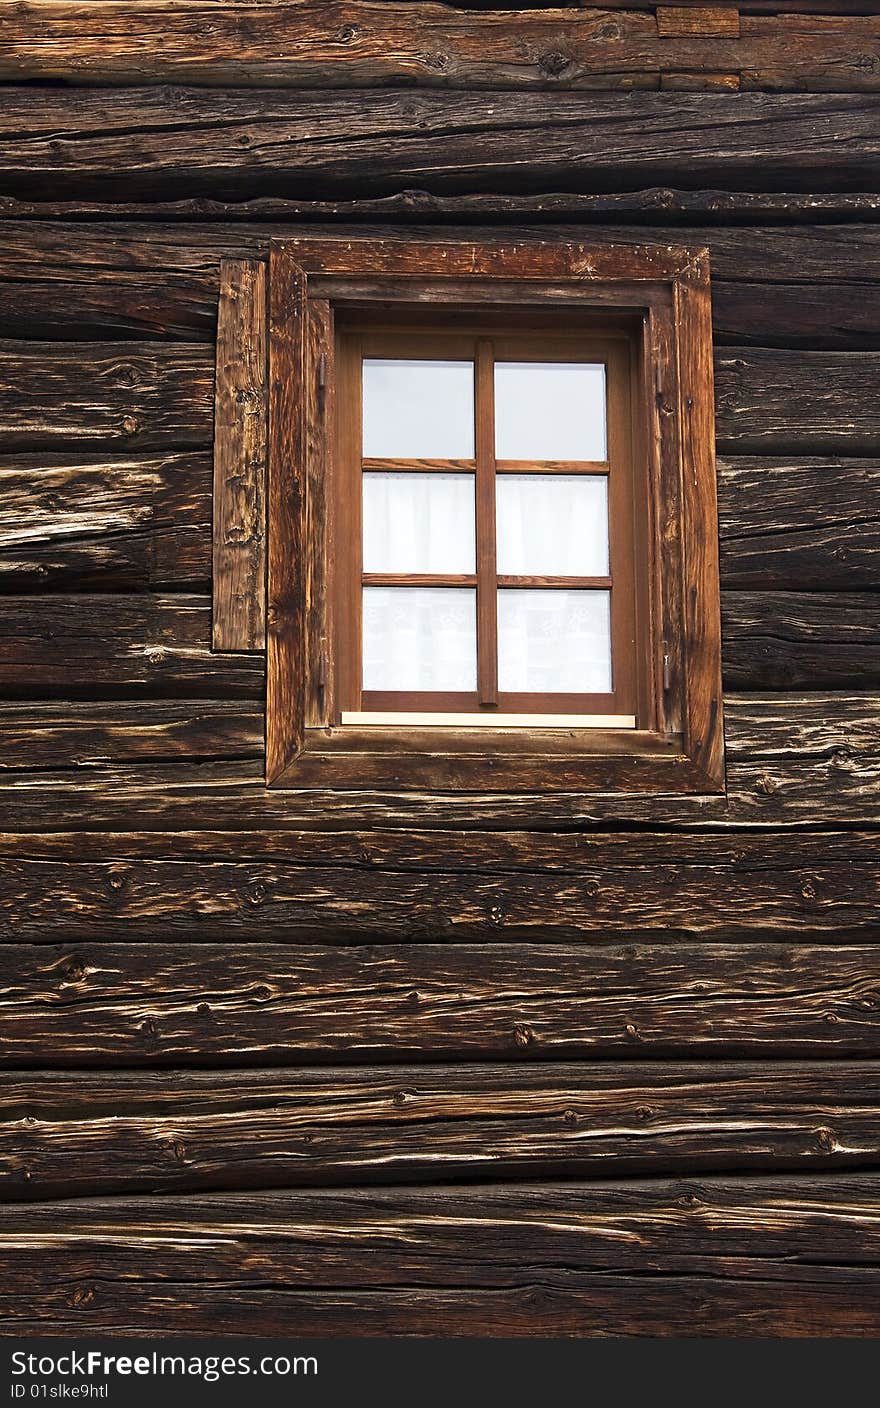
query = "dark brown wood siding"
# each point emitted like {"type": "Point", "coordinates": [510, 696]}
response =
{"type": "Point", "coordinates": [544, 1065]}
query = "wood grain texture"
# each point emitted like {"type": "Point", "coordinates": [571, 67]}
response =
{"type": "Point", "coordinates": [97, 522]}
{"type": "Point", "coordinates": [80, 1133]}
{"type": "Point", "coordinates": [210, 1003]}
{"type": "Point", "coordinates": [360, 44]}
{"type": "Point", "coordinates": [812, 640]}
{"type": "Point", "coordinates": [85, 733]}
{"type": "Point", "coordinates": [774, 401]}
{"type": "Point", "coordinates": [159, 899]}
{"type": "Point", "coordinates": [169, 142]}
{"type": "Point", "coordinates": [784, 1255]}
{"type": "Point", "coordinates": [817, 249]}
{"type": "Point", "coordinates": [99, 646]}
{"type": "Point", "coordinates": [792, 762]}
{"type": "Point", "coordinates": [130, 397]}
{"type": "Point", "coordinates": [806, 524]}
{"type": "Point", "coordinates": [669, 204]}
{"type": "Point", "coordinates": [238, 600]}
{"type": "Point", "coordinates": [290, 381]}
{"type": "Point", "coordinates": [143, 522]}
{"type": "Point", "coordinates": [113, 645]}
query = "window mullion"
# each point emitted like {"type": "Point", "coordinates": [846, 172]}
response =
{"type": "Point", "coordinates": [487, 605]}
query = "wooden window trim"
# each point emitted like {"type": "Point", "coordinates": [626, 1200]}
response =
{"type": "Point", "coordinates": [665, 289]}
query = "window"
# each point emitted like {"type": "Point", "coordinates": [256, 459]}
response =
{"type": "Point", "coordinates": [487, 572]}
{"type": "Point", "coordinates": [492, 530]}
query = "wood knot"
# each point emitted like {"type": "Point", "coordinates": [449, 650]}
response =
{"type": "Point", "coordinates": [826, 1140]}
{"type": "Point", "coordinates": [346, 33]}
{"type": "Point", "coordinates": [496, 914]}
{"type": "Point", "coordinates": [591, 888]}
{"type": "Point", "coordinates": [401, 1097]}
{"type": "Point", "coordinates": [262, 994]}
{"type": "Point", "coordinates": [154, 654]}
{"type": "Point", "coordinates": [257, 892]}
{"type": "Point", "coordinates": [554, 63]}
{"type": "Point", "coordinates": [808, 890]}
{"type": "Point", "coordinates": [84, 1295]}
{"type": "Point", "coordinates": [643, 1112]}
{"type": "Point", "coordinates": [74, 973]}
{"type": "Point", "coordinates": [178, 1150]}
{"type": "Point", "coordinates": [116, 880]}
{"type": "Point", "coordinates": [832, 1019]}
{"type": "Point", "coordinates": [522, 1035]}
{"type": "Point", "coordinates": [570, 1117]}
{"type": "Point", "coordinates": [203, 1009]}
{"type": "Point", "coordinates": [437, 63]}
{"type": "Point", "coordinates": [130, 425]}
{"type": "Point", "coordinates": [766, 785]}
{"type": "Point", "coordinates": [633, 1032]}
{"type": "Point", "coordinates": [149, 1028]}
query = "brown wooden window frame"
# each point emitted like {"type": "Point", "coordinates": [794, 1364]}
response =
{"type": "Point", "coordinates": [322, 289]}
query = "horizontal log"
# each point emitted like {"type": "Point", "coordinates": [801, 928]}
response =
{"type": "Point", "coordinates": [774, 401]}
{"type": "Point", "coordinates": [491, 853]}
{"type": "Point", "coordinates": [170, 142]}
{"type": "Point", "coordinates": [107, 646]}
{"type": "Point", "coordinates": [108, 1003]}
{"type": "Point", "coordinates": [121, 306]}
{"type": "Point", "coordinates": [83, 1134]}
{"type": "Point", "coordinates": [144, 523]}
{"type": "Point", "coordinates": [360, 44]}
{"type": "Point", "coordinates": [823, 315]}
{"type": "Point", "coordinates": [88, 734]}
{"type": "Point", "coordinates": [813, 640]}
{"type": "Point", "coordinates": [803, 253]}
{"type": "Point", "coordinates": [810, 524]}
{"type": "Point", "coordinates": [131, 524]}
{"type": "Point", "coordinates": [100, 646]}
{"type": "Point", "coordinates": [150, 899]}
{"type": "Point", "coordinates": [663, 203]}
{"type": "Point", "coordinates": [127, 396]}
{"type": "Point", "coordinates": [791, 762]}
{"type": "Point", "coordinates": [784, 1255]}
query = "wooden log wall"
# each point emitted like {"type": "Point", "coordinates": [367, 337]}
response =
{"type": "Point", "coordinates": [518, 1064]}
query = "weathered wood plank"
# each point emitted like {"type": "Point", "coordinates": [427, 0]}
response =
{"type": "Point", "coordinates": [144, 522]}
{"type": "Point", "coordinates": [88, 250]}
{"type": "Point", "coordinates": [359, 44]}
{"type": "Point", "coordinates": [791, 762]}
{"type": "Point", "coordinates": [821, 316]}
{"type": "Point", "coordinates": [139, 397]}
{"type": "Point", "coordinates": [122, 305]}
{"type": "Point", "coordinates": [150, 899]}
{"type": "Point", "coordinates": [92, 646]}
{"type": "Point", "coordinates": [779, 640]}
{"type": "Point", "coordinates": [87, 734]}
{"type": "Point", "coordinates": [69, 1134]}
{"type": "Point", "coordinates": [114, 644]}
{"type": "Point", "coordinates": [783, 1254]}
{"type": "Point", "coordinates": [455, 852]}
{"type": "Point", "coordinates": [240, 459]}
{"type": "Point", "coordinates": [667, 204]}
{"type": "Point", "coordinates": [774, 401]}
{"type": "Point", "coordinates": [238, 143]}
{"type": "Point", "coordinates": [139, 523]}
{"type": "Point", "coordinates": [105, 1003]}
{"type": "Point", "coordinates": [810, 524]}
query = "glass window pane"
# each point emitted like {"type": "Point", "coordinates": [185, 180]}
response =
{"type": "Point", "coordinates": [552, 525]}
{"type": "Point", "coordinates": [419, 523]}
{"type": "Point", "coordinates": [418, 409]}
{"type": "Point", "coordinates": [419, 638]}
{"type": "Point", "coordinates": [550, 411]}
{"type": "Point", "coordinates": [554, 641]}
